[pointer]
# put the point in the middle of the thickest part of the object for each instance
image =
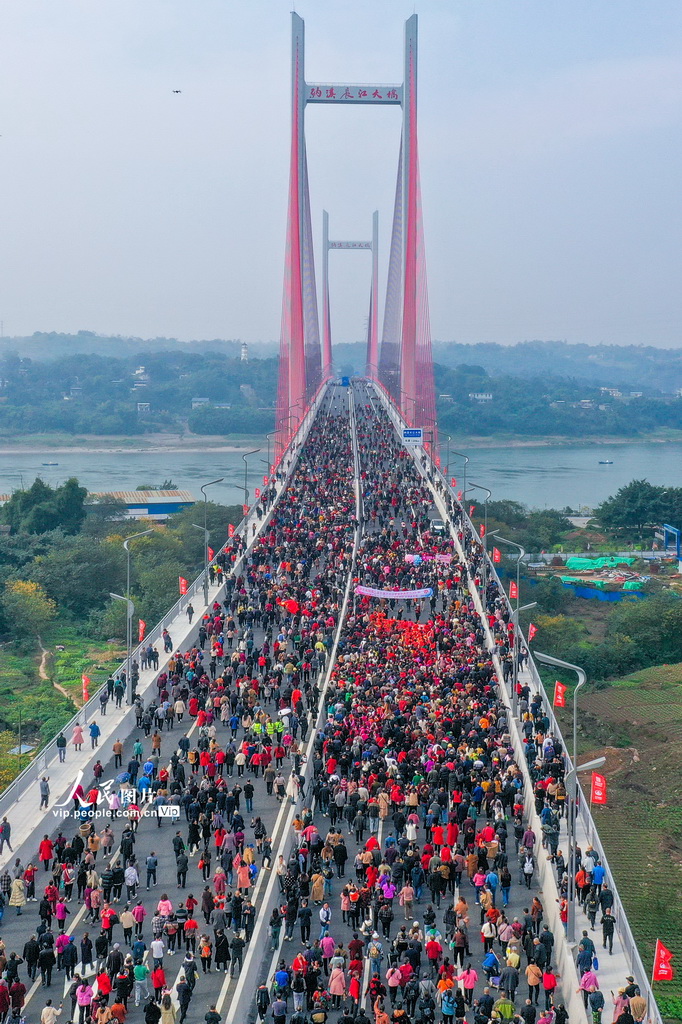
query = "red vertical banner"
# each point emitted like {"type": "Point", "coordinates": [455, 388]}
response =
{"type": "Point", "coordinates": [459, 495]}
{"type": "Point", "coordinates": [438, 461]}
{"type": "Point", "coordinates": [141, 627]}
{"type": "Point", "coordinates": [559, 695]}
{"type": "Point", "coordinates": [453, 481]}
{"type": "Point", "coordinates": [497, 557]}
{"type": "Point", "coordinates": [86, 685]}
{"type": "Point", "coordinates": [245, 509]}
{"type": "Point", "coordinates": [257, 492]}
{"type": "Point", "coordinates": [230, 530]}
{"type": "Point", "coordinates": [481, 531]}
{"type": "Point", "coordinates": [532, 630]}
{"type": "Point", "coordinates": [663, 969]}
{"type": "Point", "coordinates": [598, 789]}
{"type": "Point", "coordinates": [211, 554]}
{"type": "Point", "coordinates": [513, 590]}
{"type": "Point", "coordinates": [265, 481]}
{"type": "Point", "coordinates": [182, 584]}
{"type": "Point", "coordinates": [471, 510]}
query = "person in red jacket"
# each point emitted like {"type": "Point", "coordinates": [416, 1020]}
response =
{"type": "Point", "coordinates": [46, 851]}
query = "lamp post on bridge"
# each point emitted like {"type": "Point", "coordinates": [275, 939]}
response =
{"type": "Point", "coordinates": [203, 491]}
{"type": "Point", "coordinates": [464, 478]}
{"type": "Point", "coordinates": [129, 619]}
{"type": "Point", "coordinates": [515, 615]}
{"type": "Point", "coordinates": [572, 789]}
{"type": "Point", "coordinates": [488, 496]}
{"type": "Point", "coordinates": [245, 456]}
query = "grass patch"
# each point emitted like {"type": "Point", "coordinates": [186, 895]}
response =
{"type": "Point", "coordinates": [636, 722]}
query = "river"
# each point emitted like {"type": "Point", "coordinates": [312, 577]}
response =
{"type": "Point", "coordinates": [540, 477]}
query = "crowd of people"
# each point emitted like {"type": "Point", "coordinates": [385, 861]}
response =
{"type": "Point", "coordinates": [409, 891]}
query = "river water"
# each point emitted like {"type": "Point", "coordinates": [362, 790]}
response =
{"type": "Point", "coordinates": [543, 477]}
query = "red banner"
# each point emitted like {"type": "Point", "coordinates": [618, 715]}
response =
{"type": "Point", "coordinates": [141, 627]}
{"type": "Point", "coordinates": [453, 482]}
{"type": "Point", "coordinates": [532, 630]}
{"type": "Point", "coordinates": [598, 790]}
{"type": "Point", "coordinates": [230, 530]}
{"type": "Point", "coordinates": [481, 530]}
{"type": "Point", "coordinates": [459, 495]}
{"type": "Point", "coordinates": [438, 461]}
{"type": "Point", "coordinates": [497, 557]}
{"type": "Point", "coordinates": [513, 591]}
{"type": "Point", "coordinates": [559, 695]}
{"type": "Point", "coordinates": [663, 970]}
{"type": "Point", "coordinates": [182, 583]}
{"type": "Point", "coordinates": [245, 510]}
{"type": "Point", "coordinates": [265, 481]}
{"type": "Point", "coordinates": [86, 692]}
{"type": "Point", "coordinates": [211, 554]}
{"type": "Point", "coordinates": [471, 510]}
{"type": "Point", "coordinates": [257, 492]}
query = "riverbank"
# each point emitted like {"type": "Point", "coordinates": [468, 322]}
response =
{"type": "Point", "coordinates": [90, 444]}
{"type": "Point", "coordinates": [64, 444]}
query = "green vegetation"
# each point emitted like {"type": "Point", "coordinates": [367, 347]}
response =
{"type": "Point", "coordinates": [637, 722]}
{"type": "Point", "coordinates": [58, 565]}
{"type": "Point", "coordinates": [95, 394]}
{"type": "Point", "coordinates": [638, 506]}
{"type": "Point", "coordinates": [545, 405]}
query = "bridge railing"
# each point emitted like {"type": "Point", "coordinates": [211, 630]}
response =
{"type": "Point", "coordinates": [39, 763]}
{"type": "Point", "coordinates": [625, 935]}
{"type": "Point", "coordinates": [627, 939]}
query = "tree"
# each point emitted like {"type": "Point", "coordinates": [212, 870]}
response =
{"type": "Point", "coordinates": [633, 507]}
{"type": "Point", "coordinates": [42, 508]}
{"type": "Point", "coordinates": [27, 609]}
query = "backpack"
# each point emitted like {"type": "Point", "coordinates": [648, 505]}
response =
{"type": "Point", "coordinates": [374, 951]}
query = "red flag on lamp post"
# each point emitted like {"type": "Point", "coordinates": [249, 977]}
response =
{"type": "Point", "coordinates": [182, 584]}
{"type": "Point", "coordinates": [86, 683]}
{"type": "Point", "coordinates": [141, 628]}
{"type": "Point", "coordinates": [257, 492]}
{"type": "Point", "coordinates": [497, 556]}
{"type": "Point", "coordinates": [513, 590]}
{"type": "Point", "coordinates": [453, 481]}
{"type": "Point", "coordinates": [532, 630]}
{"type": "Point", "coordinates": [230, 530]}
{"type": "Point", "coordinates": [211, 554]}
{"type": "Point", "coordinates": [598, 789]}
{"type": "Point", "coordinates": [265, 481]}
{"type": "Point", "coordinates": [559, 695]}
{"type": "Point", "coordinates": [471, 510]}
{"type": "Point", "coordinates": [245, 509]}
{"type": "Point", "coordinates": [481, 530]}
{"type": "Point", "coordinates": [460, 496]}
{"type": "Point", "coordinates": [663, 970]}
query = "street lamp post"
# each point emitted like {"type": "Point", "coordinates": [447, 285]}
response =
{"type": "Point", "coordinates": [572, 789]}
{"type": "Point", "coordinates": [245, 456]}
{"type": "Point", "coordinates": [273, 433]}
{"type": "Point", "coordinates": [515, 614]}
{"type": "Point", "coordinates": [203, 491]}
{"type": "Point", "coordinates": [130, 607]}
{"type": "Point", "coordinates": [447, 456]}
{"type": "Point", "coordinates": [129, 621]}
{"type": "Point", "coordinates": [464, 477]}
{"type": "Point", "coordinates": [488, 496]}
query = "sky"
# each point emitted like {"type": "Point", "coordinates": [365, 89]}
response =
{"type": "Point", "coordinates": [550, 148]}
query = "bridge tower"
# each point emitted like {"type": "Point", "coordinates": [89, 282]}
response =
{"type": "Point", "coordinates": [403, 363]}
{"type": "Point", "coordinates": [372, 361]}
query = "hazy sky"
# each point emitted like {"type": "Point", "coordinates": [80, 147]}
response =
{"type": "Point", "coordinates": [551, 164]}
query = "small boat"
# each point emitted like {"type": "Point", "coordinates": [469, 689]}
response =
{"type": "Point", "coordinates": [50, 463]}
{"type": "Point", "coordinates": [606, 462]}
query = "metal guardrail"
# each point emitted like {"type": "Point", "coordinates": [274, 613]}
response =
{"type": "Point", "coordinates": [38, 764]}
{"type": "Point", "coordinates": [625, 935]}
